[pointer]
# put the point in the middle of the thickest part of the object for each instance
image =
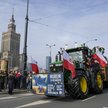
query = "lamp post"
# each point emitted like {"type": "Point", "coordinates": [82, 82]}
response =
{"type": "Point", "coordinates": [25, 42]}
{"type": "Point", "coordinates": [50, 46]}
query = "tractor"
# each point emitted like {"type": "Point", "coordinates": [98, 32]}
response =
{"type": "Point", "coordinates": [90, 76]}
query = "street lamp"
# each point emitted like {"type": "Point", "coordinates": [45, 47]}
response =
{"type": "Point", "coordinates": [50, 46]}
{"type": "Point", "coordinates": [25, 42]}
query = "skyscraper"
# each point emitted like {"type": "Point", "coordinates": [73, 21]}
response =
{"type": "Point", "coordinates": [11, 45]}
{"type": "Point", "coordinates": [48, 61]}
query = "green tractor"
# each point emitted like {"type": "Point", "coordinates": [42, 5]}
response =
{"type": "Point", "coordinates": [89, 74]}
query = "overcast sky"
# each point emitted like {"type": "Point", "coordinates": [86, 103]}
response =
{"type": "Point", "coordinates": [57, 22]}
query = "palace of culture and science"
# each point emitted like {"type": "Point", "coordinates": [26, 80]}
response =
{"type": "Point", "coordinates": [10, 45]}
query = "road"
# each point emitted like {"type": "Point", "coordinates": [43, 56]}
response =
{"type": "Point", "coordinates": [29, 100]}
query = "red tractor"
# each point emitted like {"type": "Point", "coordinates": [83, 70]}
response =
{"type": "Point", "coordinates": [90, 74]}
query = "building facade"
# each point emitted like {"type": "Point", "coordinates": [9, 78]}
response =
{"type": "Point", "coordinates": [10, 46]}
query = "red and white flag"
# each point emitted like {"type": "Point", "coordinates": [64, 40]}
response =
{"type": "Point", "coordinates": [67, 64]}
{"type": "Point", "coordinates": [100, 58]}
{"type": "Point", "coordinates": [34, 66]}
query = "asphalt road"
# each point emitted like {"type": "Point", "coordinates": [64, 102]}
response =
{"type": "Point", "coordinates": [29, 100]}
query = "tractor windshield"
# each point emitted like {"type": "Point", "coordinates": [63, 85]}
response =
{"type": "Point", "coordinates": [77, 58]}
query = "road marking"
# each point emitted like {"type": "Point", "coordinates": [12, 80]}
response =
{"type": "Point", "coordinates": [104, 107]}
{"type": "Point", "coordinates": [7, 98]}
{"type": "Point", "coordinates": [34, 103]}
{"type": "Point", "coordinates": [26, 94]}
{"type": "Point", "coordinates": [88, 98]}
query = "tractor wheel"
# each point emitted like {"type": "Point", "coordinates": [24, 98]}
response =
{"type": "Point", "coordinates": [78, 87]}
{"type": "Point", "coordinates": [98, 83]}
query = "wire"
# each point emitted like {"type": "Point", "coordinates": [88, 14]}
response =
{"type": "Point", "coordinates": [50, 16]}
{"type": "Point", "coordinates": [38, 22]}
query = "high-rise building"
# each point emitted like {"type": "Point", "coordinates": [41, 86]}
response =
{"type": "Point", "coordinates": [48, 61]}
{"type": "Point", "coordinates": [11, 45]}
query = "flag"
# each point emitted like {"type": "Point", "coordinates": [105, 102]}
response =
{"type": "Point", "coordinates": [67, 64]}
{"type": "Point", "coordinates": [100, 58]}
{"type": "Point", "coordinates": [34, 66]}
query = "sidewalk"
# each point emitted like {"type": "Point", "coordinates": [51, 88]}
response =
{"type": "Point", "coordinates": [14, 91]}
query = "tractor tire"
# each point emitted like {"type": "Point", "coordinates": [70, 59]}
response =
{"type": "Point", "coordinates": [97, 78]}
{"type": "Point", "coordinates": [78, 87]}
{"type": "Point", "coordinates": [98, 81]}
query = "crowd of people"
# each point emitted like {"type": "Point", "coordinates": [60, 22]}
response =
{"type": "Point", "coordinates": [15, 80]}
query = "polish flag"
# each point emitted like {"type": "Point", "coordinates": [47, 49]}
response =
{"type": "Point", "coordinates": [34, 66]}
{"type": "Point", "coordinates": [100, 58]}
{"type": "Point", "coordinates": [67, 64]}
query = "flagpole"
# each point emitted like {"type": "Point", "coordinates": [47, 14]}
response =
{"type": "Point", "coordinates": [63, 60]}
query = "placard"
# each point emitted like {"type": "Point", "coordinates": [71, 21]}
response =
{"type": "Point", "coordinates": [55, 85]}
{"type": "Point", "coordinates": [39, 83]}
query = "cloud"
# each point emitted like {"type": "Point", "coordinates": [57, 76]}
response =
{"type": "Point", "coordinates": [68, 21]}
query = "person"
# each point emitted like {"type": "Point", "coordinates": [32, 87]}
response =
{"type": "Point", "coordinates": [1, 80]}
{"type": "Point", "coordinates": [10, 83]}
{"type": "Point", "coordinates": [29, 82]}
{"type": "Point", "coordinates": [18, 79]}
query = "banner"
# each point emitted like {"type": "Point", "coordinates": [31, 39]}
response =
{"type": "Point", "coordinates": [39, 83]}
{"type": "Point", "coordinates": [55, 86]}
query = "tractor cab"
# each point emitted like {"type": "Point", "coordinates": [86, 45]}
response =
{"type": "Point", "coordinates": [80, 56]}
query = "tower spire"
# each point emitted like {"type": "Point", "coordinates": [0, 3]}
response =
{"type": "Point", "coordinates": [11, 25]}
{"type": "Point", "coordinates": [13, 13]}
{"type": "Point", "coordinates": [12, 18]}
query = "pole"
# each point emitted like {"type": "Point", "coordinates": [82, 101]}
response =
{"type": "Point", "coordinates": [25, 42]}
{"type": "Point", "coordinates": [50, 46]}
